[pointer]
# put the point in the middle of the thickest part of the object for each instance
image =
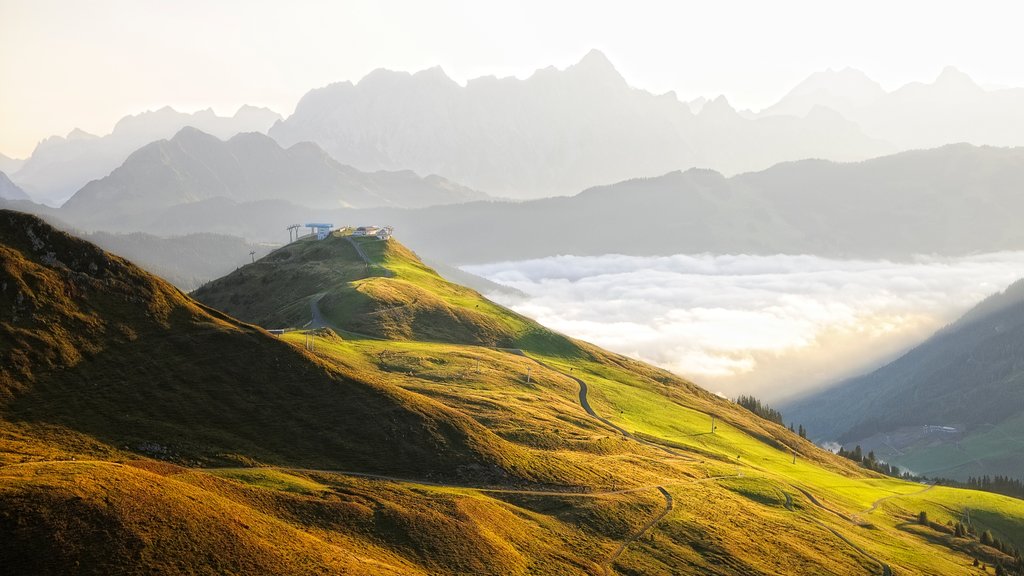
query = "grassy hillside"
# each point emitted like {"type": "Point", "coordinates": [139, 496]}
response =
{"type": "Point", "coordinates": [390, 294]}
{"type": "Point", "coordinates": [91, 345]}
{"type": "Point", "coordinates": [143, 432]}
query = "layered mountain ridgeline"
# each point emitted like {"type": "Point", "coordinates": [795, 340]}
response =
{"type": "Point", "coordinates": [951, 407]}
{"type": "Point", "coordinates": [142, 432]}
{"type": "Point", "coordinates": [60, 166]}
{"type": "Point", "coordinates": [557, 132]}
{"type": "Point", "coordinates": [194, 167]}
{"type": "Point", "coordinates": [953, 200]}
{"type": "Point", "coordinates": [952, 108]}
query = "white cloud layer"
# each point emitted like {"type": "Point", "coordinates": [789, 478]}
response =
{"type": "Point", "coordinates": [769, 325]}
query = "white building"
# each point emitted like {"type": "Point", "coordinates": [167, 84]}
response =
{"type": "Point", "coordinates": [380, 233]}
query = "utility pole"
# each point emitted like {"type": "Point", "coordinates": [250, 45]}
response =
{"type": "Point", "coordinates": [252, 254]}
{"type": "Point", "coordinates": [528, 370]}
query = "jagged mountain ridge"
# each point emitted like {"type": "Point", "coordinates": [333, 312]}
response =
{"type": "Point", "coordinates": [555, 133]}
{"type": "Point", "coordinates": [952, 108]}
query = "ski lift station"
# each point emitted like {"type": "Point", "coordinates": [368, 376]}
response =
{"type": "Point", "coordinates": [321, 230]}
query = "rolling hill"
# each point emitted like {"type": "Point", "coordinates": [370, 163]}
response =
{"type": "Point", "coordinates": [950, 407]}
{"type": "Point", "coordinates": [142, 431]}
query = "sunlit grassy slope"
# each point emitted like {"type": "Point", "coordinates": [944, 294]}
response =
{"type": "Point", "coordinates": [445, 437]}
{"type": "Point", "coordinates": [393, 296]}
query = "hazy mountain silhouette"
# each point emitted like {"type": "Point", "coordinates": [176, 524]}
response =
{"type": "Point", "coordinates": [9, 190]}
{"type": "Point", "coordinates": [59, 166]}
{"type": "Point", "coordinates": [10, 165]}
{"type": "Point", "coordinates": [841, 90]}
{"type": "Point", "coordinates": [556, 132]}
{"type": "Point", "coordinates": [968, 376]}
{"type": "Point", "coordinates": [954, 200]}
{"type": "Point", "coordinates": [194, 166]}
{"type": "Point", "coordinates": [952, 108]}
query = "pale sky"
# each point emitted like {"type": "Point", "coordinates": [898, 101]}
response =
{"type": "Point", "coordinates": [67, 64]}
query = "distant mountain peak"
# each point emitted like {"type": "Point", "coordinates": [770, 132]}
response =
{"type": "Point", "coordinates": [436, 75]}
{"type": "Point", "coordinates": [718, 108]}
{"type": "Point", "coordinates": [79, 134]}
{"type": "Point", "coordinates": [191, 132]}
{"type": "Point", "coordinates": [595, 64]}
{"type": "Point", "coordinates": [595, 59]}
{"type": "Point", "coordinates": [832, 80]}
{"type": "Point", "coordinates": [951, 76]}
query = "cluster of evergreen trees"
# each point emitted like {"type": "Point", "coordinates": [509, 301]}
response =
{"type": "Point", "coordinates": [870, 462]}
{"type": "Point", "coordinates": [1004, 485]}
{"type": "Point", "coordinates": [763, 410]}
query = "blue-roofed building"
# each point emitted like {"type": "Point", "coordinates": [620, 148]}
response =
{"type": "Point", "coordinates": [321, 230]}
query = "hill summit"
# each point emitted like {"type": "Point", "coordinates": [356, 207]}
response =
{"type": "Point", "coordinates": [371, 287]}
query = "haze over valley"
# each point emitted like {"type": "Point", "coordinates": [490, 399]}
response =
{"type": "Point", "coordinates": [771, 326]}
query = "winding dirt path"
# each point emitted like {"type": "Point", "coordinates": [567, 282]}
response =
{"type": "Point", "coordinates": [886, 569]}
{"type": "Point", "coordinates": [585, 403]}
{"type": "Point", "coordinates": [607, 566]}
{"type": "Point", "coordinates": [877, 503]}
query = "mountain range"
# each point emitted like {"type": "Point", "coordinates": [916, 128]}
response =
{"type": "Point", "coordinates": [195, 167]}
{"type": "Point", "coordinates": [554, 133]}
{"type": "Point", "coordinates": [953, 406]}
{"type": "Point", "coordinates": [953, 200]}
{"type": "Point", "coordinates": [561, 131]}
{"type": "Point", "coordinates": [60, 165]}
{"type": "Point", "coordinates": [952, 108]}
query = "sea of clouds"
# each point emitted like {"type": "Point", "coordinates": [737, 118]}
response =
{"type": "Point", "coordinates": [774, 326]}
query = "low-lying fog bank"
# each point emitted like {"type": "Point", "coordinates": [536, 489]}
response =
{"type": "Point", "coordinates": [768, 325]}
